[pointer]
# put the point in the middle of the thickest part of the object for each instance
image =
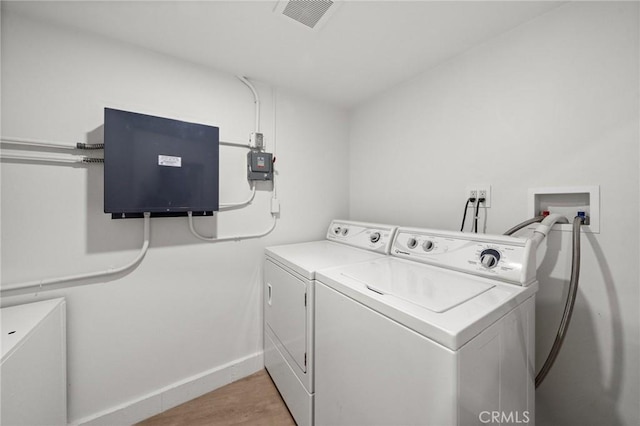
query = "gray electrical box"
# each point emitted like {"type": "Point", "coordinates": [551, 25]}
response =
{"type": "Point", "coordinates": [259, 165]}
{"type": "Point", "coordinates": [256, 140]}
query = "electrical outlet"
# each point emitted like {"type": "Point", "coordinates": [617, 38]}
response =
{"type": "Point", "coordinates": [484, 191]}
{"type": "Point", "coordinates": [480, 191]}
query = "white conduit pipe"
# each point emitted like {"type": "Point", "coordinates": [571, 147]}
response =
{"type": "Point", "coordinates": [35, 142]}
{"type": "Point", "coordinates": [45, 282]}
{"type": "Point", "coordinates": [234, 238]}
{"type": "Point", "coordinates": [253, 191]}
{"type": "Point", "coordinates": [44, 144]}
{"type": "Point", "coordinates": [227, 206]}
{"type": "Point", "coordinates": [274, 94]}
{"type": "Point", "coordinates": [255, 97]}
{"type": "Point", "coordinates": [239, 145]}
{"type": "Point", "coordinates": [45, 158]}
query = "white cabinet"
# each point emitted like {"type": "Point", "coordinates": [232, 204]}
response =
{"type": "Point", "coordinates": [34, 365]}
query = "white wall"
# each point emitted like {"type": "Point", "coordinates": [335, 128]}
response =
{"type": "Point", "coordinates": [190, 308]}
{"type": "Point", "coordinates": [553, 102]}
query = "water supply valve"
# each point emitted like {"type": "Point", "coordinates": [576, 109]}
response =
{"type": "Point", "coordinates": [583, 215]}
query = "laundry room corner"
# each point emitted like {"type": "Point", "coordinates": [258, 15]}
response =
{"type": "Point", "coordinates": [553, 102]}
{"type": "Point", "coordinates": [188, 318]}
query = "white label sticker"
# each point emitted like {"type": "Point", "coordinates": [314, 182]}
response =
{"type": "Point", "coordinates": [169, 161]}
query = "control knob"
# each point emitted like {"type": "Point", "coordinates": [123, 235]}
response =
{"type": "Point", "coordinates": [489, 258]}
{"type": "Point", "coordinates": [428, 245]}
{"type": "Point", "coordinates": [337, 230]}
{"type": "Point", "coordinates": [345, 231]}
{"type": "Point", "coordinates": [375, 237]}
{"type": "Point", "coordinates": [412, 243]}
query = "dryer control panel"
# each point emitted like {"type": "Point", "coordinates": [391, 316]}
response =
{"type": "Point", "coordinates": [369, 236]}
{"type": "Point", "coordinates": [493, 256]}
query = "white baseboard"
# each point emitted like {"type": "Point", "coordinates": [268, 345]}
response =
{"type": "Point", "coordinates": [175, 394]}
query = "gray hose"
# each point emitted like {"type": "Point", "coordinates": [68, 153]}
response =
{"type": "Point", "coordinates": [523, 224]}
{"type": "Point", "coordinates": [568, 307]}
{"type": "Point", "coordinates": [571, 297]}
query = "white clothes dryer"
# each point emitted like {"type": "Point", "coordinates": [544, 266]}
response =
{"type": "Point", "coordinates": [289, 282]}
{"type": "Point", "coordinates": [439, 333]}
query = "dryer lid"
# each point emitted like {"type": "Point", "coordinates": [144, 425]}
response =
{"type": "Point", "coordinates": [306, 258]}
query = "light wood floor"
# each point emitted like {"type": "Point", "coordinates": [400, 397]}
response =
{"type": "Point", "coordinates": [253, 400]}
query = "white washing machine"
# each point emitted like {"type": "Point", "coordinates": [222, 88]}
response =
{"type": "Point", "coordinates": [439, 333]}
{"type": "Point", "coordinates": [289, 281]}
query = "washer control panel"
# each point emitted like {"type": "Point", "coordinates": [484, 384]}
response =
{"type": "Point", "coordinates": [369, 236]}
{"type": "Point", "coordinates": [494, 256]}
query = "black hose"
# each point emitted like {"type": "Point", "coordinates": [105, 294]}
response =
{"type": "Point", "coordinates": [568, 307]}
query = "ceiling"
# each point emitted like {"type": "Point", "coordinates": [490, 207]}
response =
{"type": "Point", "coordinates": [363, 48]}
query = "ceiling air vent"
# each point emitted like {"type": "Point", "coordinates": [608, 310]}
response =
{"type": "Point", "coordinates": [310, 13]}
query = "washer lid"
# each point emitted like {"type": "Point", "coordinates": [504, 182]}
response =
{"type": "Point", "coordinates": [448, 307]}
{"type": "Point", "coordinates": [437, 291]}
